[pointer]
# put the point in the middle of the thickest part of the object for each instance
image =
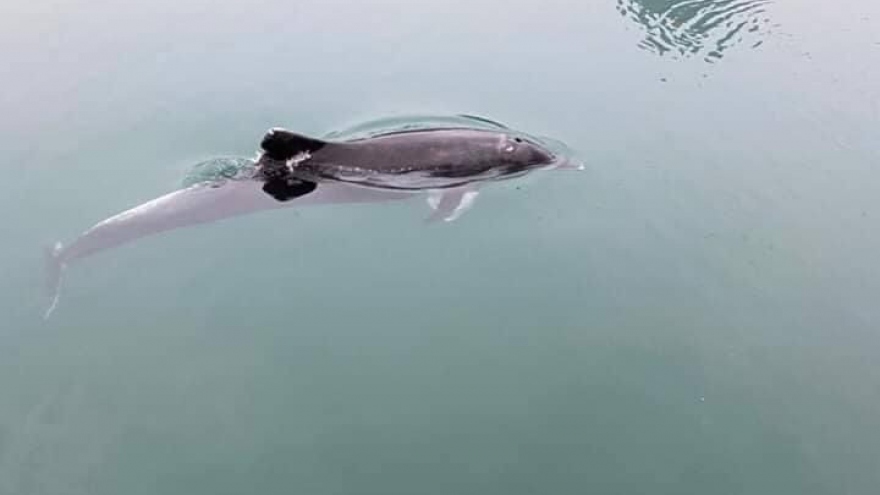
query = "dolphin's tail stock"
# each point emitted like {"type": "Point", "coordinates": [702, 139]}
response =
{"type": "Point", "coordinates": [54, 271]}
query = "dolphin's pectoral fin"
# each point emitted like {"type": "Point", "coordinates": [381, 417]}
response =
{"type": "Point", "coordinates": [287, 189]}
{"type": "Point", "coordinates": [450, 204]}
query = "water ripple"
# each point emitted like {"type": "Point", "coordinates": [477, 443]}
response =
{"type": "Point", "coordinates": [707, 28]}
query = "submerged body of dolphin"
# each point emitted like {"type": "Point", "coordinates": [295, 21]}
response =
{"type": "Point", "coordinates": [197, 204]}
{"type": "Point", "coordinates": [295, 170]}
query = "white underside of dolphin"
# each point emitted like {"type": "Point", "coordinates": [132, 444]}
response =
{"type": "Point", "coordinates": [207, 203]}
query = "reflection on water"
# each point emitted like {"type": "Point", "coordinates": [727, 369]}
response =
{"type": "Point", "coordinates": [707, 28]}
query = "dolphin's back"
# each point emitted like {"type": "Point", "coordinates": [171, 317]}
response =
{"type": "Point", "coordinates": [457, 152]}
{"type": "Point", "coordinates": [439, 158]}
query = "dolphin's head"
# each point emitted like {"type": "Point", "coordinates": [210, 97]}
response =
{"type": "Point", "coordinates": [521, 154]}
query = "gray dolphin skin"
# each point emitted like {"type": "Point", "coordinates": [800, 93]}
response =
{"type": "Point", "coordinates": [406, 160]}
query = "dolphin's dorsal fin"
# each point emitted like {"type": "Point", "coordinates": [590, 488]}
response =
{"type": "Point", "coordinates": [450, 204]}
{"type": "Point", "coordinates": [281, 144]}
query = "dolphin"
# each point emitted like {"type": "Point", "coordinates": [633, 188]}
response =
{"type": "Point", "coordinates": [295, 170]}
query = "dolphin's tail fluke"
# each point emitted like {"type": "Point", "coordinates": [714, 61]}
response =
{"type": "Point", "coordinates": [54, 272]}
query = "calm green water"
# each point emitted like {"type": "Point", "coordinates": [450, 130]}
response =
{"type": "Point", "coordinates": [696, 313]}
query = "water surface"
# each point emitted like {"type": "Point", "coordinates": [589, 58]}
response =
{"type": "Point", "coordinates": [694, 313]}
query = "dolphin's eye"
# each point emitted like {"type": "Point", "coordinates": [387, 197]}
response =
{"type": "Point", "coordinates": [518, 140]}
